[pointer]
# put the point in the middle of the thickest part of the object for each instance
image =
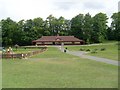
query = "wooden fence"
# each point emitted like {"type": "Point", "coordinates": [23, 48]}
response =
{"type": "Point", "coordinates": [23, 55]}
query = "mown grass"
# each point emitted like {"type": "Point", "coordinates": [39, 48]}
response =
{"type": "Point", "coordinates": [53, 53]}
{"type": "Point", "coordinates": [54, 69]}
{"type": "Point", "coordinates": [0, 73]}
{"type": "Point", "coordinates": [110, 52]}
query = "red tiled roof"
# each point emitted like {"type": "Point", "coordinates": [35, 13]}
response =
{"type": "Point", "coordinates": [57, 38]}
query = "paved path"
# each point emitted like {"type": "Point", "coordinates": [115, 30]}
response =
{"type": "Point", "coordinates": [82, 54]}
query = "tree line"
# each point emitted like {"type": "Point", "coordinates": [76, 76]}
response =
{"type": "Point", "coordinates": [90, 29]}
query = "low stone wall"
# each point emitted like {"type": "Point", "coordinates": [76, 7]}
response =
{"type": "Point", "coordinates": [23, 55]}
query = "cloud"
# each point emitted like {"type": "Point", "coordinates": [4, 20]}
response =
{"type": "Point", "coordinates": [29, 9]}
{"type": "Point", "coordinates": [64, 5]}
{"type": "Point", "coordinates": [24, 9]}
{"type": "Point", "coordinates": [94, 5]}
{"type": "Point", "coordinates": [119, 6]}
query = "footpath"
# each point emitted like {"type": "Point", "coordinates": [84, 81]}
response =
{"type": "Point", "coordinates": [82, 54]}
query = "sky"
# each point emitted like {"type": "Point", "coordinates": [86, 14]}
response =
{"type": "Point", "coordinates": [30, 9]}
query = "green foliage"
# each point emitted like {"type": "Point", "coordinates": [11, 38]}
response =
{"type": "Point", "coordinates": [9, 32]}
{"type": "Point", "coordinates": [90, 29]}
{"type": "Point", "coordinates": [103, 49]}
{"type": "Point", "coordinates": [87, 28]}
{"type": "Point", "coordinates": [77, 26]}
{"type": "Point", "coordinates": [87, 50]}
{"type": "Point", "coordinates": [99, 27]}
{"type": "Point", "coordinates": [115, 26]}
{"type": "Point", "coordinates": [110, 34]}
{"type": "Point", "coordinates": [56, 26]}
{"type": "Point", "coordinates": [94, 50]}
{"type": "Point", "coordinates": [82, 49]}
{"type": "Point", "coordinates": [0, 35]}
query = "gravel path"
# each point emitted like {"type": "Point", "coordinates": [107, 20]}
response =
{"type": "Point", "coordinates": [83, 55]}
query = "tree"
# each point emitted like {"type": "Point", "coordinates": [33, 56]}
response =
{"type": "Point", "coordinates": [110, 34]}
{"type": "Point", "coordinates": [77, 26]}
{"type": "Point", "coordinates": [90, 29]}
{"type": "Point", "coordinates": [0, 34]}
{"type": "Point", "coordinates": [87, 28]}
{"type": "Point", "coordinates": [63, 26]}
{"type": "Point", "coordinates": [115, 25]}
{"type": "Point", "coordinates": [9, 32]}
{"type": "Point", "coordinates": [99, 27]}
{"type": "Point", "coordinates": [54, 26]}
{"type": "Point", "coordinates": [50, 24]}
{"type": "Point", "coordinates": [32, 29]}
{"type": "Point", "coordinates": [38, 27]}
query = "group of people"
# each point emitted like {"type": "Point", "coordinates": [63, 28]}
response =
{"type": "Point", "coordinates": [10, 54]}
{"type": "Point", "coordinates": [8, 51]}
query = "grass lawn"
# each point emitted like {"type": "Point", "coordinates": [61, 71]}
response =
{"type": "Point", "coordinates": [54, 69]}
{"type": "Point", "coordinates": [0, 74]}
{"type": "Point", "coordinates": [111, 51]}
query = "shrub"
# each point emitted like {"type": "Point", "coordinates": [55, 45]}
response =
{"type": "Point", "coordinates": [94, 51]}
{"type": "Point", "coordinates": [87, 49]}
{"type": "Point", "coordinates": [103, 49]}
{"type": "Point", "coordinates": [118, 43]}
{"type": "Point", "coordinates": [118, 47]}
{"type": "Point", "coordinates": [82, 49]}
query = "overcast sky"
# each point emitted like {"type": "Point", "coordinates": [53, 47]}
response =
{"type": "Point", "coordinates": [29, 9]}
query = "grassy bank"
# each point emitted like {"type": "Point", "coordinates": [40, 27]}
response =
{"type": "Point", "coordinates": [54, 69]}
{"type": "Point", "coordinates": [110, 52]}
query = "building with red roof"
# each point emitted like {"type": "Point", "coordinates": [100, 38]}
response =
{"type": "Point", "coordinates": [58, 40]}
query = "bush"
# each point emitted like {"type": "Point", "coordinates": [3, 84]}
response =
{"type": "Point", "coordinates": [94, 51]}
{"type": "Point", "coordinates": [118, 48]}
{"type": "Point", "coordinates": [118, 43]}
{"type": "Point", "coordinates": [103, 49]}
{"type": "Point", "coordinates": [82, 49]}
{"type": "Point", "coordinates": [87, 49]}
